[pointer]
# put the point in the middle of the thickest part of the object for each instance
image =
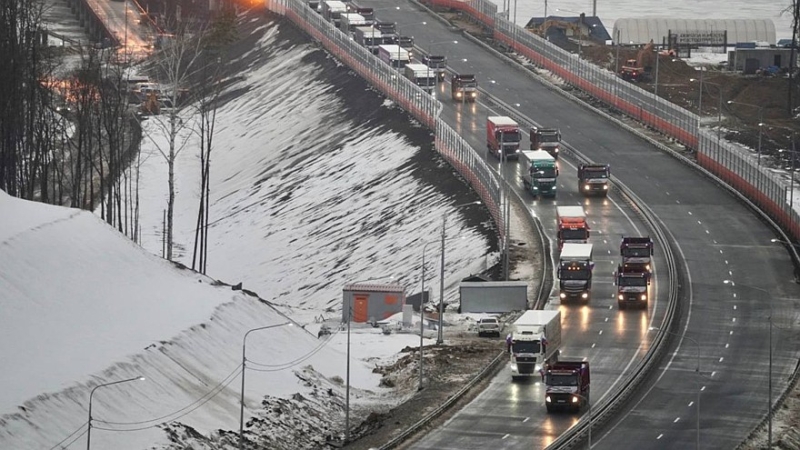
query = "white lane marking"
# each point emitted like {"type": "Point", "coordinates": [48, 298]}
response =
{"type": "Point", "coordinates": [727, 345]}
{"type": "Point", "coordinates": [690, 213]}
{"type": "Point", "coordinates": [733, 319]}
{"type": "Point", "coordinates": [726, 261]}
{"type": "Point", "coordinates": [731, 333]}
{"type": "Point", "coordinates": [703, 388]}
{"type": "Point", "coordinates": [593, 345]}
{"type": "Point", "coordinates": [676, 420]}
{"type": "Point", "coordinates": [699, 223]}
{"type": "Point", "coordinates": [606, 319]}
{"type": "Point", "coordinates": [526, 419]}
{"type": "Point", "coordinates": [507, 435]}
{"type": "Point", "coordinates": [601, 332]}
{"type": "Point", "coordinates": [660, 436]}
{"type": "Point", "coordinates": [721, 358]}
{"type": "Point", "coordinates": [678, 202]}
{"type": "Point", "coordinates": [713, 373]}
{"type": "Point", "coordinates": [734, 306]}
{"type": "Point", "coordinates": [690, 404]}
{"type": "Point", "coordinates": [707, 232]}
{"type": "Point", "coordinates": [730, 272]}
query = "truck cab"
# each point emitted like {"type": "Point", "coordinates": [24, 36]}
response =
{"type": "Point", "coordinates": [349, 21]}
{"type": "Point", "coordinates": [575, 272]}
{"type": "Point", "coordinates": [407, 43]}
{"type": "Point", "coordinates": [631, 287]}
{"type": "Point", "coordinates": [593, 179]}
{"type": "Point", "coordinates": [388, 31]}
{"type": "Point", "coordinates": [547, 139]}
{"type": "Point", "coordinates": [503, 137]}
{"type": "Point", "coordinates": [535, 342]}
{"type": "Point", "coordinates": [464, 87]}
{"type": "Point", "coordinates": [572, 225]}
{"type": "Point", "coordinates": [539, 173]}
{"type": "Point", "coordinates": [437, 63]}
{"type": "Point", "coordinates": [567, 385]}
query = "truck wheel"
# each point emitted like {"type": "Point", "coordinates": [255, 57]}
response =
{"type": "Point", "coordinates": [621, 306]}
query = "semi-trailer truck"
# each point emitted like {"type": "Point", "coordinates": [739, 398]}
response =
{"type": "Point", "coordinates": [535, 341]}
{"type": "Point", "coordinates": [394, 55]}
{"type": "Point", "coordinates": [437, 63]}
{"type": "Point", "coordinates": [539, 172]}
{"type": "Point", "coordinates": [567, 385]}
{"type": "Point", "coordinates": [368, 37]}
{"type": "Point", "coordinates": [572, 225]}
{"type": "Point", "coordinates": [636, 252]}
{"type": "Point", "coordinates": [575, 267]}
{"type": "Point", "coordinates": [464, 88]}
{"type": "Point", "coordinates": [422, 76]}
{"type": "Point", "coordinates": [503, 137]}
{"type": "Point", "coordinates": [631, 287]}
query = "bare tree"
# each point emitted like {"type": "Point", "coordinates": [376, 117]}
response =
{"type": "Point", "coordinates": [175, 64]}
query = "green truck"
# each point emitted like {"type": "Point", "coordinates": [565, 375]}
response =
{"type": "Point", "coordinates": [539, 172]}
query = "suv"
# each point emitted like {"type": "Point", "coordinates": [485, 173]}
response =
{"type": "Point", "coordinates": [488, 326]}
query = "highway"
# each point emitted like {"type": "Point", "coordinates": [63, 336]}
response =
{"type": "Point", "coordinates": [717, 237]}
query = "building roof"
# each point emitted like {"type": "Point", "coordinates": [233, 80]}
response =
{"type": "Point", "coordinates": [639, 31]}
{"type": "Point", "coordinates": [594, 26]}
{"type": "Point", "coordinates": [374, 287]}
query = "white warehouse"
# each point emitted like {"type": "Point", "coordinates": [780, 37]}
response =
{"type": "Point", "coordinates": [641, 31]}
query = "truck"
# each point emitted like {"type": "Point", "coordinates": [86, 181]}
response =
{"type": "Point", "coordinates": [593, 179]}
{"type": "Point", "coordinates": [464, 87]}
{"type": "Point", "coordinates": [332, 11]}
{"type": "Point", "coordinates": [539, 172]}
{"type": "Point", "coordinates": [547, 139]}
{"type": "Point", "coordinates": [572, 225]}
{"type": "Point", "coordinates": [394, 55]}
{"type": "Point", "coordinates": [422, 76]}
{"type": "Point", "coordinates": [575, 272]}
{"type": "Point", "coordinates": [631, 287]}
{"type": "Point", "coordinates": [366, 12]}
{"type": "Point", "coordinates": [534, 341]}
{"type": "Point", "coordinates": [567, 384]}
{"type": "Point", "coordinates": [349, 21]}
{"type": "Point", "coordinates": [437, 63]}
{"type": "Point", "coordinates": [636, 252]}
{"type": "Point", "coordinates": [503, 137]}
{"type": "Point", "coordinates": [407, 43]}
{"type": "Point", "coordinates": [388, 31]}
{"type": "Point", "coordinates": [368, 37]}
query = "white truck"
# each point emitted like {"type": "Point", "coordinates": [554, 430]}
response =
{"type": "Point", "coordinates": [575, 267]}
{"type": "Point", "coordinates": [421, 75]}
{"type": "Point", "coordinates": [332, 11]}
{"type": "Point", "coordinates": [349, 21]}
{"type": "Point", "coordinates": [368, 37]}
{"type": "Point", "coordinates": [394, 55]}
{"type": "Point", "coordinates": [535, 341]}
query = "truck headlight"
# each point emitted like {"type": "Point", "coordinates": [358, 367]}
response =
{"type": "Point", "coordinates": [605, 187]}
{"type": "Point", "coordinates": [644, 297]}
{"type": "Point", "coordinates": [647, 267]}
{"type": "Point", "coordinates": [474, 94]}
{"type": "Point", "coordinates": [575, 399]}
{"type": "Point", "coordinates": [513, 367]}
{"type": "Point", "coordinates": [538, 367]}
{"type": "Point", "coordinates": [556, 151]}
{"type": "Point", "coordinates": [458, 94]}
{"type": "Point", "coordinates": [621, 297]}
{"type": "Point", "coordinates": [585, 295]}
{"type": "Point", "coordinates": [563, 295]}
{"type": "Point", "coordinates": [547, 399]}
{"type": "Point", "coordinates": [585, 187]}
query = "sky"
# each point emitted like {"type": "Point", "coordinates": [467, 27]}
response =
{"type": "Point", "coordinates": [307, 195]}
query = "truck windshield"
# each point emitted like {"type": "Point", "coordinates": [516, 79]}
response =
{"type": "Point", "coordinates": [510, 136]}
{"type": "Point", "coordinates": [526, 347]}
{"type": "Point", "coordinates": [548, 138]}
{"type": "Point", "coordinates": [635, 252]}
{"type": "Point", "coordinates": [632, 281]}
{"type": "Point", "coordinates": [544, 172]}
{"type": "Point", "coordinates": [596, 174]}
{"type": "Point", "coordinates": [577, 273]}
{"type": "Point", "coordinates": [573, 235]}
{"type": "Point", "coordinates": [561, 380]}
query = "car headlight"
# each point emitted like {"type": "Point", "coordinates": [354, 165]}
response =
{"type": "Point", "coordinates": [547, 399]}
{"type": "Point", "coordinates": [585, 295]}
{"type": "Point", "coordinates": [575, 399]}
{"type": "Point", "coordinates": [621, 297]}
{"type": "Point", "coordinates": [563, 295]}
{"type": "Point", "coordinates": [644, 297]}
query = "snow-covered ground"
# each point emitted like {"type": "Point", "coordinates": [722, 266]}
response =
{"type": "Point", "coordinates": [316, 182]}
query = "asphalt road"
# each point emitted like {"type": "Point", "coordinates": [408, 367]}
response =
{"type": "Point", "coordinates": [719, 239]}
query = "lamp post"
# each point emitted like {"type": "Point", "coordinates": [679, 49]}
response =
{"type": "Point", "coordinates": [760, 122]}
{"type": "Point", "coordinates": [700, 99]}
{"type": "Point", "coordinates": [439, 338]}
{"type": "Point", "coordinates": [244, 368]}
{"type": "Point", "coordinates": [697, 370]}
{"type": "Point", "coordinates": [91, 394]}
{"type": "Point", "coordinates": [769, 376]}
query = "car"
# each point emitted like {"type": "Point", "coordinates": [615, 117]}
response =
{"type": "Point", "coordinates": [488, 326]}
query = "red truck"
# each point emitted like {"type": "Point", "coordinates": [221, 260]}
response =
{"type": "Point", "coordinates": [572, 225]}
{"type": "Point", "coordinates": [503, 137]}
{"type": "Point", "coordinates": [567, 385]}
{"type": "Point", "coordinates": [547, 139]}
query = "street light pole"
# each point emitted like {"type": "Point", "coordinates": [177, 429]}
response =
{"type": "Point", "coordinates": [422, 315]}
{"type": "Point", "coordinates": [244, 368]}
{"type": "Point", "coordinates": [769, 376]}
{"type": "Point", "coordinates": [91, 394]}
{"type": "Point", "coordinates": [760, 122]}
{"type": "Point", "coordinates": [697, 370]}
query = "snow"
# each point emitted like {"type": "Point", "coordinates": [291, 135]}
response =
{"type": "Point", "coordinates": [305, 199]}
